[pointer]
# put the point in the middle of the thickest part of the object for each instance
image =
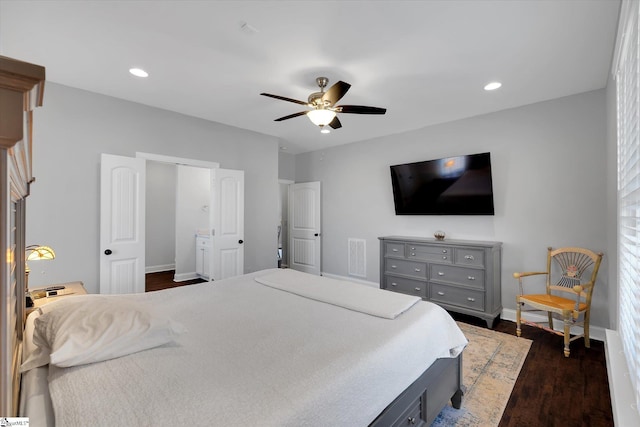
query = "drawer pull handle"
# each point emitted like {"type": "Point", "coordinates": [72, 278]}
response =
{"type": "Point", "coordinates": [393, 266]}
{"type": "Point", "coordinates": [444, 257]}
{"type": "Point", "coordinates": [412, 420]}
{"type": "Point", "coordinates": [417, 289]}
{"type": "Point", "coordinates": [440, 273]}
{"type": "Point", "coordinates": [417, 270]}
{"type": "Point", "coordinates": [471, 299]}
{"type": "Point", "coordinates": [471, 278]}
{"type": "Point", "coordinates": [441, 293]}
{"type": "Point", "coordinates": [444, 251]}
{"type": "Point", "coordinates": [469, 257]}
{"type": "Point", "coordinates": [394, 284]}
{"type": "Point", "coordinates": [413, 254]}
{"type": "Point", "coordinates": [394, 250]}
{"type": "Point", "coordinates": [413, 249]}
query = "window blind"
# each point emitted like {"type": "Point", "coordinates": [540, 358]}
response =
{"type": "Point", "coordinates": [627, 89]}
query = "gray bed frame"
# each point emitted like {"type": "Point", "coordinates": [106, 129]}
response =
{"type": "Point", "coordinates": [423, 400]}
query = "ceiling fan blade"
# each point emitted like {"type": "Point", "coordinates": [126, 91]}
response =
{"type": "Point", "coordinates": [335, 123]}
{"type": "Point", "coordinates": [291, 116]}
{"type": "Point", "coordinates": [360, 109]}
{"type": "Point", "coordinates": [336, 92]}
{"type": "Point", "coordinates": [284, 98]}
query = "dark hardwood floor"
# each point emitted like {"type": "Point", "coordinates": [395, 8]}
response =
{"type": "Point", "coordinates": [551, 390]}
{"type": "Point", "coordinates": [164, 280]}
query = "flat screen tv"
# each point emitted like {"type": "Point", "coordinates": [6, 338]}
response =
{"type": "Point", "coordinates": [459, 185]}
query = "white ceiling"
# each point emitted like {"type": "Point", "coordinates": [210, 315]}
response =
{"type": "Point", "coordinates": [425, 61]}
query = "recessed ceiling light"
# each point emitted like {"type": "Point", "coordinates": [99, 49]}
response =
{"type": "Point", "coordinates": [492, 86]}
{"type": "Point", "coordinates": [138, 72]}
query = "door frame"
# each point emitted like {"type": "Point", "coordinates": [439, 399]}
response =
{"type": "Point", "coordinates": [160, 158]}
{"type": "Point", "coordinates": [178, 160]}
{"type": "Point", "coordinates": [285, 226]}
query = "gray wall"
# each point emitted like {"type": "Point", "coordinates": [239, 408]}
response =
{"type": "Point", "coordinates": [74, 127]}
{"type": "Point", "coordinates": [549, 178]}
{"type": "Point", "coordinates": [286, 166]}
{"type": "Point", "coordinates": [160, 250]}
{"type": "Point", "coordinates": [194, 193]}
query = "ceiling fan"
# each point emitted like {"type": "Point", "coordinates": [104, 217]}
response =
{"type": "Point", "coordinates": [323, 105]}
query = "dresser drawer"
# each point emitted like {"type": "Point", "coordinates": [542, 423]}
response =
{"type": "Point", "coordinates": [412, 417]}
{"type": "Point", "coordinates": [408, 268]}
{"type": "Point", "coordinates": [406, 286]}
{"type": "Point", "coordinates": [457, 296]}
{"type": "Point", "coordinates": [394, 249]}
{"type": "Point", "coordinates": [430, 253]}
{"type": "Point", "coordinates": [458, 275]}
{"type": "Point", "coordinates": [473, 257]}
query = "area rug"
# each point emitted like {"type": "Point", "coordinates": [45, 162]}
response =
{"type": "Point", "coordinates": [491, 363]}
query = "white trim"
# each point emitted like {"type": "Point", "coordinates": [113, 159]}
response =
{"type": "Point", "coordinates": [159, 268]}
{"type": "Point", "coordinates": [351, 279]}
{"type": "Point", "coordinates": [623, 402]}
{"type": "Point", "coordinates": [285, 181]}
{"type": "Point", "coordinates": [595, 332]}
{"type": "Point", "coordinates": [178, 160]}
{"type": "Point", "coordinates": [186, 276]}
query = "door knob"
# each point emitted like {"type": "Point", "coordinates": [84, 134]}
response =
{"type": "Point", "coordinates": [241, 241]}
{"type": "Point", "coordinates": [316, 234]}
{"type": "Point", "coordinates": [108, 252]}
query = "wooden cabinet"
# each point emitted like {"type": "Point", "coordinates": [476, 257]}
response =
{"type": "Point", "coordinates": [203, 246]}
{"type": "Point", "coordinates": [460, 275]}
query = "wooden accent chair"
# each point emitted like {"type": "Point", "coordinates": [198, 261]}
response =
{"type": "Point", "coordinates": [569, 266]}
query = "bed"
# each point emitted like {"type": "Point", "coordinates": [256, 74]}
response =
{"type": "Point", "coordinates": [273, 348]}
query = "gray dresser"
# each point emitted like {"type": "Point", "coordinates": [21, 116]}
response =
{"type": "Point", "coordinates": [460, 275]}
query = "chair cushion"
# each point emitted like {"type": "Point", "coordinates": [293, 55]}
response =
{"type": "Point", "coordinates": [552, 301]}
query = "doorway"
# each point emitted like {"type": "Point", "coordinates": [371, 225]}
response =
{"type": "Point", "coordinates": [177, 200]}
{"type": "Point", "coordinates": [123, 220]}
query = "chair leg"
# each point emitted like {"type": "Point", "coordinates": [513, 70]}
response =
{"type": "Point", "coordinates": [567, 334]}
{"type": "Point", "coordinates": [518, 313]}
{"type": "Point", "coordinates": [586, 330]}
{"type": "Point", "coordinates": [550, 320]}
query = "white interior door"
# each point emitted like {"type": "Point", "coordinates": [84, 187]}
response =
{"type": "Point", "coordinates": [227, 219]}
{"type": "Point", "coordinates": [122, 224]}
{"type": "Point", "coordinates": [304, 227]}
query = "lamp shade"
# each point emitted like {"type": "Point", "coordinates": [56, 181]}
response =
{"type": "Point", "coordinates": [40, 252]}
{"type": "Point", "coordinates": [321, 117]}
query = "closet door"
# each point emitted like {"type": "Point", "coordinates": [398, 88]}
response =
{"type": "Point", "coordinates": [305, 246]}
{"type": "Point", "coordinates": [227, 218]}
{"type": "Point", "coordinates": [122, 224]}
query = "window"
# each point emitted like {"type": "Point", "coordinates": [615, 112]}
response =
{"type": "Point", "coordinates": [627, 76]}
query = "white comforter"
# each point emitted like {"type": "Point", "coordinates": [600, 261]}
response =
{"type": "Point", "coordinates": [258, 356]}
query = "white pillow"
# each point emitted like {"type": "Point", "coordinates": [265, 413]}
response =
{"type": "Point", "coordinates": [92, 328]}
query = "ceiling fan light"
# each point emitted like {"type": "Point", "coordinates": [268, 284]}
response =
{"type": "Point", "coordinates": [321, 117]}
{"type": "Point", "coordinates": [325, 130]}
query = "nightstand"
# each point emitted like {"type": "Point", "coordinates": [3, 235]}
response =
{"type": "Point", "coordinates": [71, 288]}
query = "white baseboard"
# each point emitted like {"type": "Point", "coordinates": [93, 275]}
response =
{"type": "Point", "coordinates": [623, 403]}
{"type": "Point", "coordinates": [159, 268]}
{"type": "Point", "coordinates": [595, 332]}
{"type": "Point", "coordinates": [351, 279]}
{"type": "Point", "coordinates": [183, 277]}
